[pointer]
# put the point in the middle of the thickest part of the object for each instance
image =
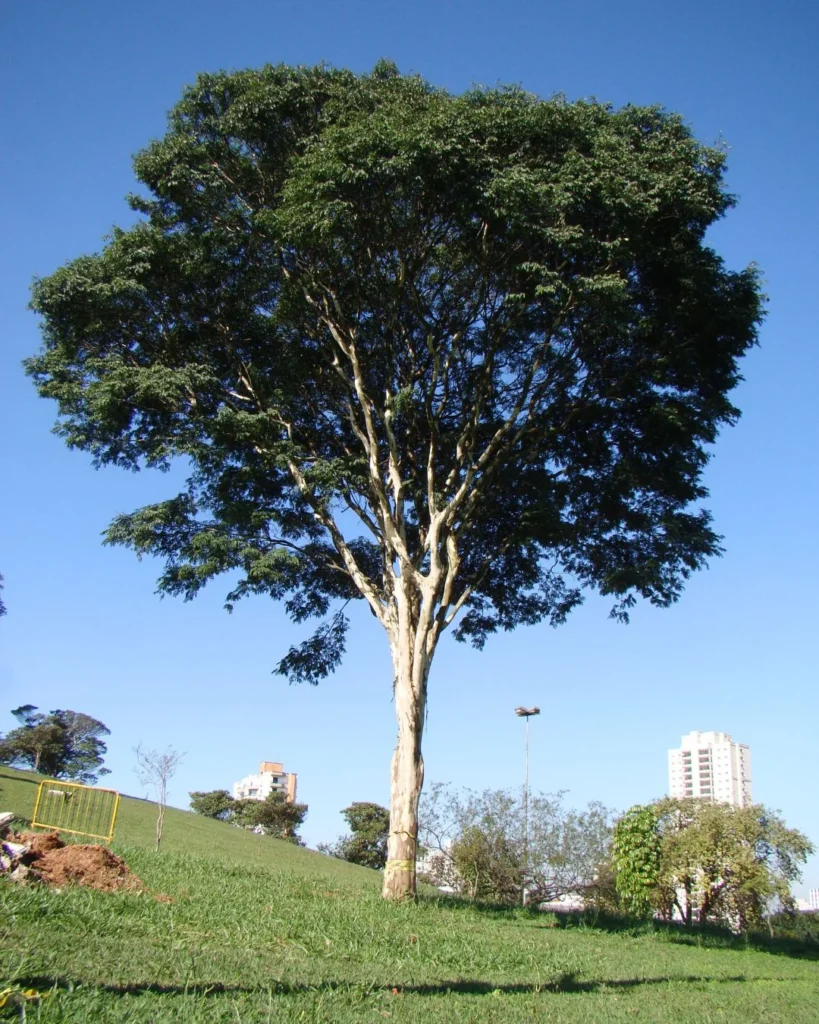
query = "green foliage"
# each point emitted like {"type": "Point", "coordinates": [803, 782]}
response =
{"type": "Point", "coordinates": [601, 895]}
{"type": "Point", "coordinates": [367, 819]}
{"type": "Point", "coordinates": [701, 862]}
{"type": "Point", "coordinates": [637, 859]}
{"type": "Point", "coordinates": [482, 848]}
{"type": "Point", "coordinates": [728, 865]}
{"type": "Point", "coordinates": [487, 863]}
{"type": "Point", "coordinates": [488, 326]}
{"type": "Point", "coordinates": [367, 844]}
{"type": "Point", "coordinates": [216, 803]}
{"type": "Point", "coordinates": [274, 815]}
{"type": "Point", "coordinates": [791, 924]}
{"type": "Point", "coordinates": [61, 744]}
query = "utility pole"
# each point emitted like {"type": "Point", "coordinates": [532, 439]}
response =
{"type": "Point", "coordinates": [526, 713]}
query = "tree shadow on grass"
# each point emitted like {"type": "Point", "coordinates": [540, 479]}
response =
{"type": "Point", "coordinates": [705, 936]}
{"type": "Point", "coordinates": [564, 984]}
{"type": "Point", "coordinates": [26, 778]}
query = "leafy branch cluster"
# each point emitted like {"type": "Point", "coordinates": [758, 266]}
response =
{"type": "Point", "coordinates": [698, 861]}
{"type": "Point", "coordinates": [636, 858]}
{"type": "Point", "coordinates": [489, 846]}
{"type": "Point", "coordinates": [274, 816]}
{"type": "Point", "coordinates": [485, 329]}
{"type": "Point", "coordinates": [61, 744]}
{"type": "Point", "coordinates": [366, 843]}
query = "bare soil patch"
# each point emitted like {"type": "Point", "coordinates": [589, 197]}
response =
{"type": "Point", "coordinates": [49, 859]}
{"type": "Point", "coordinates": [90, 865]}
{"type": "Point", "coordinates": [41, 842]}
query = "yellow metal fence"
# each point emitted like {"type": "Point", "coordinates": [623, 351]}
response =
{"type": "Point", "coordinates": [80, 810]}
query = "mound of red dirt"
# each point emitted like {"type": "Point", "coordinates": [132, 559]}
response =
{"type": "Point", "coordinates": [41, 842]}
{"type": "Point", "coordinates": [58, 864]}
{"type": "Point", "coordinates": [81, 864]}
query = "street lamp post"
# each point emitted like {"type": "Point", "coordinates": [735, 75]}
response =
{"type": "Point", "coordinates": [526, 713]}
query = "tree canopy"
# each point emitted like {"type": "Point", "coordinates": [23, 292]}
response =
{"type": "Point", "coordinates": [61, 744]}
{"type": "Point", "coordinates": [367, 842]}
{"type": "Point", "coordinates": [275, 816]}
{"type": "Point", "coordinates": [490, 845]}
{"type": "Point", "coordinates": [215, 803]}
{"type": "Point", "coordinates": [701, 861]}
{"type": "Point", "coordinates": [457, 356]}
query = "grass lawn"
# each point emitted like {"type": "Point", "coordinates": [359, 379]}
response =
{"type": "Point", "coordinates": [259, 930]}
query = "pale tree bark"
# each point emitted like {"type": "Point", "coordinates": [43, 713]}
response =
{"type": "Point", "coordinates": [406, 780]}
{"type": "Point", "coordinates": [421, 592]}
{"type": "Point", "coordinates": [412, 648]}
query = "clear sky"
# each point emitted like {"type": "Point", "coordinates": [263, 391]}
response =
{"type": "Point", "coordinates": [86, 84]}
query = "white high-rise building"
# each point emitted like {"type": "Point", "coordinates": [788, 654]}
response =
{"type": "Point", "coordinates": [813, 899]}
{"type": "Point", "coordinates": [709, 765]}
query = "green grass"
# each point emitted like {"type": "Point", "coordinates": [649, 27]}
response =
{"type": "Point", "coordinates": [186, 832]}
{"type": "Point", "coordinates": [261, 931]}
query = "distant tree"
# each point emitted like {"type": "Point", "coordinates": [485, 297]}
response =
{"type": "Point", "coordinates": [601, 894]}
{"type": "Point", "coordinates": [37, 744]}
{"type": "Point", "coordinates": [637, 860]}
{"type": "Point", "coordinates": [156, 768]}
{"type": "Point", "coordinates": [487, 863]}
{"type": "Point", "coordinates": [216, 803]}
{"type": "Point", "coordinates": [802, 926]}
{"type": "Point", "coordinates": [568, 848]}
{"type": "Point", "coordinates": [275, 815]}
{"type": "Point", "coordinates": [701, 861]}
{"type": "Point", "coordinates": [481, 846]}
{"type": "Point", "coordinates": [61, 744]}
{"type": "Point", "coordinates": [457, 356]}
{"type": "Point", "coordinates": [2, 606]}
{"type": "Point", "coordinates": [369, 831]}
{"type": "Point", "coordinates": [729, 865]}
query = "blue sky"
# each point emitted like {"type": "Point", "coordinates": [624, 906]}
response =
{"type": "Point", "coordinates": [87, 84]}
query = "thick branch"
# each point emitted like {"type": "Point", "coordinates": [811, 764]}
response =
{"type": "Point", "coordinates": [362, 582]}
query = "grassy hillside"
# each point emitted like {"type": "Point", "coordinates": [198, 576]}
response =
{"type": "Point", "coordinates": [186, 832]}
{"type": "Point", "coordinates": [261, 931]}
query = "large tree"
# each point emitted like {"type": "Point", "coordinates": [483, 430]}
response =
{"type": "Point", "coordinates": [458, 356]}
{"type": "Point", "coordinates": [62, 744]}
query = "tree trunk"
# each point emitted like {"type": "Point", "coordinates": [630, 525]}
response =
{"type": "Point", "coordinates": [688, 918]}
{"type": "Point", "coordinates": [160, 821]}
{"type": "Point", "coordinates": [411, 662]}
